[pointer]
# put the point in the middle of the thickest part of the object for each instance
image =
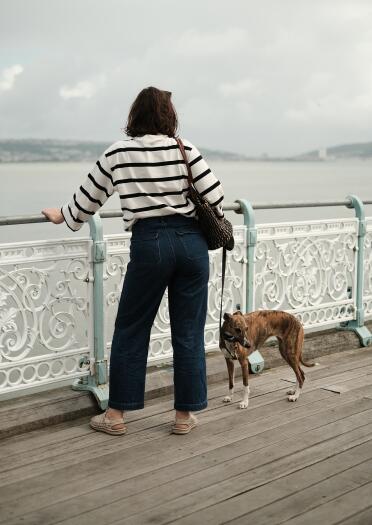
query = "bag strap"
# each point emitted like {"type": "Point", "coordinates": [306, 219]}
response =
{"type": "Point", "coordinates": [183, 152]}
{"type": "Point", "coordinates": [189, 175]}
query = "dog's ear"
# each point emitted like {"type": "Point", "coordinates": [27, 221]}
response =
{"type": "Point", "coordinates": [238, 312]}
{"type": "Point", "coordinates": [226, 316]}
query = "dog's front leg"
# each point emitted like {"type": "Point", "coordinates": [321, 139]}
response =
{"type": "Point", "coordinates": [230, 368]}
{"type": "Point", "coordinates": [244, 365]}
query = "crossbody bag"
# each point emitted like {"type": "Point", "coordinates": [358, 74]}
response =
{"type": "Point", "coordinates": [218, 231]}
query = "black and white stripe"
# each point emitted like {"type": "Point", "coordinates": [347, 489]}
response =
{"type": "Point", "coordinates": [150, 177]}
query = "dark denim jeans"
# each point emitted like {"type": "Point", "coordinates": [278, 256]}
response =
{"type": "Point", "coordinates": [165, 251]}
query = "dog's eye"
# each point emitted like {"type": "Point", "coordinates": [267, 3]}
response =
{"type": "Point", "coordinates": [239, 330]}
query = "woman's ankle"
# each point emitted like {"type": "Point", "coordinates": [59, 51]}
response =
{"type": "Point", "coordinates": [181, 414]}
{"type": "Point", "coordinates": [114, 412]}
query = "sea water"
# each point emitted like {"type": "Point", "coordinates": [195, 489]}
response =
{"type": "Point", "coordinates": [27, 188]}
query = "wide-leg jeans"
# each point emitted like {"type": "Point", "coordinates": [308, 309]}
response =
{"type": "Point", "coordinates": [165, 251]}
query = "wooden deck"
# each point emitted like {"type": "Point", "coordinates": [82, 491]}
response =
{"type": "Point", "coordinates": [308, 462]}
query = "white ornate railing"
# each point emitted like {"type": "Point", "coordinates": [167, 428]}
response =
{"type": "Point", "coordinates": [53, 328]}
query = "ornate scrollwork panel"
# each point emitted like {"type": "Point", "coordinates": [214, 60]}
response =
{"type": "Point", "coordinates": [44, 311]}
{"type": "Point", "coordinates": [308, 269]}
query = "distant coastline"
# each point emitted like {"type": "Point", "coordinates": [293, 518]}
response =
{"type": "Point", "coordinates": [50, 150]}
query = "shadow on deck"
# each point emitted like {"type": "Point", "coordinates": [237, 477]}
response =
{"type": "Point", "coordinates": [277, 462]}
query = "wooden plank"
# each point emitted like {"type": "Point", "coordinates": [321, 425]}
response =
{"type": "Point", "coordinates": [338, 509]}
{"type": "Point", "coordinates": [360, 518]}
{"type": "Point", "coordinates": [153, 438]}
{"type": "Point", "coordinates": [214, 403]}
{"type": "Point", "coordinates": [349, 385]}
{"type": "Point", "coordinates": [293, 495]}
{"type": "Point", "coordinates": [228, 422]}
{"type": "Point", "coordinates": [16, 420]}
{"type": "Point", "coordinates": [197, 499]}
{"type": "Point", "coordinates": [27, 488]}
{"type": "Point", "coordinates": [84, 437]}
{"type": "Point", "coordinates": [337, 378]}
{"type": "Point", "coordinates": [40, 399]}
{"type": "Point", "coordinates": [41, 437]}
{"type": "Point", "coordinates": [79, 428]}
{"type": "Point", "coordinates": [176, 438]}
{"type": "Point", "coordinates": [163, 407]}
{"type": "Point", "coordinates": [240, 463]}
{"type": "Point", "coordinates": [32, 467]}
{"type": "Point", "coordinates": [329, 365]}
{"type": "Point", "coordinates": [304, 423]}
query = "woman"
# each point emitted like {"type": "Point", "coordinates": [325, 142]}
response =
{"type": "Point", "coordinates": [167, 249]}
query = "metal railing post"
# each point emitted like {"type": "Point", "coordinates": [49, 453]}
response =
{"type": "Point", "coordinates": [256, 360]}
{"type": "Point", "coordinates": [98, 380]}
{"type": "Point", "coordinates": [249, 222]}
{"type": "Point", "coordinates": [357, 325]}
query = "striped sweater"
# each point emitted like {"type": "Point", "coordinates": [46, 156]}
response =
{"type": "Point", "coordinates": [150, 176]}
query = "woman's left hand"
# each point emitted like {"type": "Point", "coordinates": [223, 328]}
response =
{"type": "Point", "coordinates": [53, 214]}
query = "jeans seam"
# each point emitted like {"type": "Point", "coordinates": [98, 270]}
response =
{"type": "Point", "coordinates": [171, 244]}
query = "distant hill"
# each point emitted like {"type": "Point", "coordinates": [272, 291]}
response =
{"type": "Point", "coordinates": [34, 150]}
{"type": "Point", "coordinates": [361, 150]}
{"type": "Point", "coordinates": [50, 150]}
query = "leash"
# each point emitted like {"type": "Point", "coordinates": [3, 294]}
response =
{"type": "Point", "coordinates": [223, 284]}
{"type": "Point", "coordinates": [223, 281]}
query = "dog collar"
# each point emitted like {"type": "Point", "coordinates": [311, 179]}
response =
{"type": "Point", "coordinates": [228, 339]}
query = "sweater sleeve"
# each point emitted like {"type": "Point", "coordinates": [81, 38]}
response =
{"type": "Point", "coordinates": [90, 196]}
{"type": "Point", "coordinates": [206, 183]}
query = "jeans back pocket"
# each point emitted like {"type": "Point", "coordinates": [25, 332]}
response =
{"type": "Point", "coordinates": [194, 243]}
{"type": "Point", "coordinates": [145, 248]}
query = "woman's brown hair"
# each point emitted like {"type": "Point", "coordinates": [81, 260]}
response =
{"type": "Point", "coordinates": [152, 113]}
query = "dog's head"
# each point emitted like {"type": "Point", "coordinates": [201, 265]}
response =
{"type": "Point", "coordinates": [234, 329]}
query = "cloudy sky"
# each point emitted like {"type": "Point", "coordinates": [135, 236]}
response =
{"type": "Point", "coordinates": [251, 76]}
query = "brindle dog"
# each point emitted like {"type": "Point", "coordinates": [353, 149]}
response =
{"type": "Point", "coordinates": [242, 334]}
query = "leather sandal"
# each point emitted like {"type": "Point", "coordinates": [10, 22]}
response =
{"type": "Point", "coordinates": [105, 424]}
{"type": "Point", "coordinates": [188, 424]}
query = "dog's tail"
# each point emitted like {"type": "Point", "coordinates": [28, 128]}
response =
{"type": "Point", "coordinates": [300, 341]}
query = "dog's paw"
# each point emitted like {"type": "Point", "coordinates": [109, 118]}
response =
{"type": "Point", "coordinates": [227, 399]}
{"type": "Point", "coordinates": [243, 404]}
{"type": "Point", "coordinates": [293, 397]}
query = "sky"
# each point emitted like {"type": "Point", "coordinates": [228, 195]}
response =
{"type": "Point", "coordinates": [267, 76]}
